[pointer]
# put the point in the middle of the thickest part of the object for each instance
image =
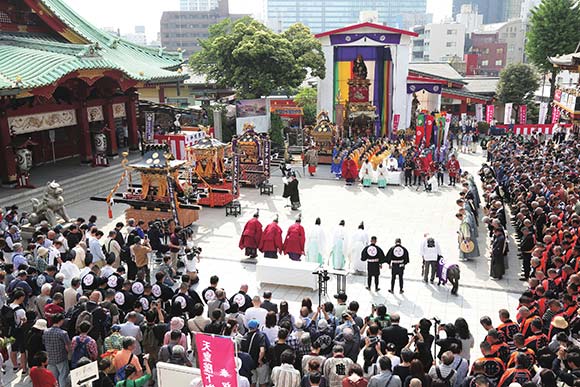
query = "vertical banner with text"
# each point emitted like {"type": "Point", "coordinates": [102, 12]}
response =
{"type": "Point", "coordinates": [543, 113]}
{"type": "Point", "coordinates": [507, 115]}
{"type": "Point", "coordinates": [555, 115]}
{"type": "Point", "coordinates": [149, 122]}
{"type": "Point", "coordinates": [489, 113]}
{"type": "Point", "coordinates": [479, 112]}
{"type": "Point", "coordinates": [396, 119]}
{"type": "Point", "coordinates": [523, 114]}
{"type": "Point", "coordinates": [217, 362]}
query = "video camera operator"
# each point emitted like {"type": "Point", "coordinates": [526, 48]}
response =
{"type": "Point", "coordinates": [155, 234]}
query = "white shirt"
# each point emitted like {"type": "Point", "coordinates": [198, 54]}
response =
{"type": "Point", "coordinates": [256, 313]}
{"type": "Point", "coordinates": [70, 271]}
{"type": "Point", "coordinates": [107, 270]}
{"type": "Point", "coordinates": [53, 255]}
{"type": "Point", "coordinates": [430, 253]}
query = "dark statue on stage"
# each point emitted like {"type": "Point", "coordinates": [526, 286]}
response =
{"type": "Point", "coordinates": [359, 68]}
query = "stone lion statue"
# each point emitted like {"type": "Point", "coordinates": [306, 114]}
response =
{"type": "Point", "coordinates": [49, 207]}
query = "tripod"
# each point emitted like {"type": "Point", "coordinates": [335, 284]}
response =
{"type": "Point", "coordinates": [323, 278]}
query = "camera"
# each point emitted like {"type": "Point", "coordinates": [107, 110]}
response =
{"type": "Point", "coordinates": [192, 253]}
{"type": "Point", "coordinates": [322, 274]}
{"type": "Point", "coordinates": [436, 319]}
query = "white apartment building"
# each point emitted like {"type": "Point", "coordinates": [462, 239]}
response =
{"type": "Point", "coordinates": [438, 42]}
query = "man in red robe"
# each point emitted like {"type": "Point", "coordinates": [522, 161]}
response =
{"type": "Point", "coordinates": [251, 236]}
{"type": "Point", "coordinates": [295, 240]}
{"type": "Point", "coordinates": [349, 171]}
{"type": "Point", "coordinates": [271, 241]}
{"type": "Point", "coordinates": [453, 169]}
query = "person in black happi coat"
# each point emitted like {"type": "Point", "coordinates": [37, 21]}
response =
{"type": "Point", "coordinates": [375, 257]}
{"type": "Point", "coordinates": [397, 258]}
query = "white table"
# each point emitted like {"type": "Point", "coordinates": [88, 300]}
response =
{"type": "Point", "coordinates": [395, 177]}
{"type": "Point", "coordinates": [284, 271]}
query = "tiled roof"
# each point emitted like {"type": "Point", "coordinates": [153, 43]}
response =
{"type": "Point", "coordinates": [479, 84]}
{"type": "Point", "coordinates": [30, 60]}
{"type": "Point", "coordinates": [439, 69]}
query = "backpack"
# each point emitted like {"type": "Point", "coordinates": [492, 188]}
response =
{"type": "Point", "coordinates": [85, 315]}
{"type": "Point", "coordinates": [440, 380]}
{"type": "Point", "coordinates": [80, 351]}
{"type": "Point", "coordinates": [149, 343]}
{"type": "Point", "coordinates": [8, 319]}
{"type": "Point", "coordinates": [120, 374]}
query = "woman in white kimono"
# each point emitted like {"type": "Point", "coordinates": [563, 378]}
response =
{"type": "Point", "coordinates": [381, 176]}
{"type": "Point", "coordinates": [360, 240]}
{"type": "Point", "coordinates": [366, 174]}
{"type": "Point", "coordinates": [316, 244]}
{"type": "Point", "coordinates": [339, 248]}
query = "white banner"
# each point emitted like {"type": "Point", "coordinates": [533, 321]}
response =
{"type": "Point", "coordinates": [43, 121]}
{"type": "Point", "coordinates": [447, 125]}
{"type": "Point", "coordinates": [479, 112]}
{"type": "Point", "coordinates": [507, 115]}
{"type": "Point", "coordinates": [543, 113]}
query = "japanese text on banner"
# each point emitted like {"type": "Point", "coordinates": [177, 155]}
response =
{"type": "Point", "coordinates": [217, 360]}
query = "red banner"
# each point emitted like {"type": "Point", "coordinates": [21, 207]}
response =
{"type": "Point", "coordinates": [555, 114]}
{"type": "Point", "coordinates": [429, 130]}
{"type": "Point", "coordinates": [216, 360]}
{"type": "Point", "coordinates": [396, 119]}
{"type": "Point", "coordinates": [420, 130]}
{"type": "Point", "coordinates": [489, 113]}
{"type": "Point", "coordinates": [523, 114]}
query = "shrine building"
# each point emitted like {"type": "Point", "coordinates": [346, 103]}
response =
{"type": "Point", "coordinates": [64, 84]}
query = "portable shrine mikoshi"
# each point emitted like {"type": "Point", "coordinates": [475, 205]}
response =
{"type": "Point", "coordinates": [161, 194]}
{"type": "Point", "coordinates": [208, 172]}
{"type": "Point", "coordinates": [323, 135]}
{"type": "Point", "coordinates": [252, 152]}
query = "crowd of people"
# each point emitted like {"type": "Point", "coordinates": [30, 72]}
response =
{"type": "Point", "coordinates": [131, 297]}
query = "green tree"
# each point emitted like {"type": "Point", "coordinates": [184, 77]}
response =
{"type": "Point", "coordinates": [517, 84]}
{"type": "Point", "coordinates": [306, 99]}
{"type": "Point", "coordinates": [553, 30]}
{"type": "Point", "coordinates": [255, 61]}
{"type": "Point", "coordinates": [276, 130]}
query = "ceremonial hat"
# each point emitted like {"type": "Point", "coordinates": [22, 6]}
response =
{"type": "Point", "coordinates": [317, 221]}
{"type": "Point", "coordinates": [257, 213]}
{"type": "Point", "coordinates": [341, 223]}
{"type": "Point", "coordinates": [361, 225]}
{"type": "Point", "coordinates": [276, 218]}
{"type": "Point", "coordinates": [299, 218]}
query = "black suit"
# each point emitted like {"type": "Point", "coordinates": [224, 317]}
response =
{"type": "Point", "coordinates": [269, 306]}
{"type": "Point", "coordinates": [397, 335]}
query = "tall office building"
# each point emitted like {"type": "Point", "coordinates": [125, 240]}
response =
{"type": "Point", "coordinates": [325, 15]}
{"type": "Point", "coordinates": [197, 5]}
{"type": "Point", "coordinates": [184, 29]}
{"type": "Point", "coordinates": [493, 11]}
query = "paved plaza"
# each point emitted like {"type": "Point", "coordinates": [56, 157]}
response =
{"type": "Point", "coordinates": [395, 212]}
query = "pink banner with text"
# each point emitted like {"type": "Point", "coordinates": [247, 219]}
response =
{"type": "Point", "coordinates": [216, 360]}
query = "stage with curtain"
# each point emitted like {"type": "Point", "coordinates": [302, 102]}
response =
{"type": "Point", "coordinates": [378, 61]}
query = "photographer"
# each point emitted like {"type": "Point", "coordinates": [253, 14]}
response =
{"type": "Point", "coordinates": [423, 340]}
{"type": "Point", "coordinates": [155, 235]}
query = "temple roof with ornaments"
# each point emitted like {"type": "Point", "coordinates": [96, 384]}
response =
{"type": "Point", "coordinates": [42, 41]}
